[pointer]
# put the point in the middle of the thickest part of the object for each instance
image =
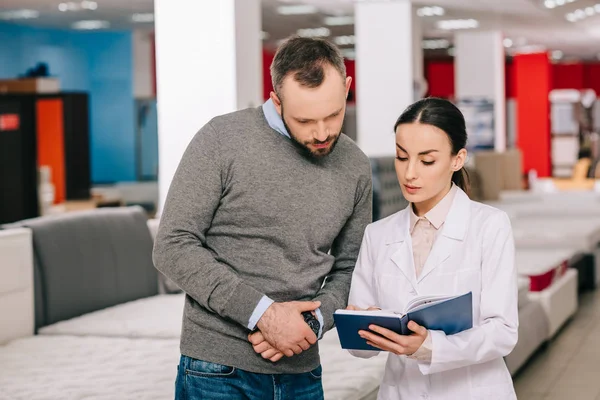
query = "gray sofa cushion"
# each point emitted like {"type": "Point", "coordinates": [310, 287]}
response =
{"type": "Point", "coordinates": [91, 260]}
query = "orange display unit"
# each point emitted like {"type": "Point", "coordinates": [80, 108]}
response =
{"type": "Point", "coordinates": [533, 82]}
{"type": "Point", "coordinates": [51, 142]}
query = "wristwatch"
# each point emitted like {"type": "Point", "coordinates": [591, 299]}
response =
{"type": "Point", "coordinates": [312, 321]}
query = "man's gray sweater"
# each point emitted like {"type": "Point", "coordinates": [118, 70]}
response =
{"type": "Point", "coordinates": [249, 214]}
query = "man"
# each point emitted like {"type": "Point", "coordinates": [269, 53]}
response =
{"type": "Point", "coordinates": [261, 229]}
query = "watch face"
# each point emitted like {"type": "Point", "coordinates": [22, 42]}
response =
{"type": "Point", "coordinates": [312, 322]}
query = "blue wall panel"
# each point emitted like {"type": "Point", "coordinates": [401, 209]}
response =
{"type": "Point", "coordinates": [100, 63]}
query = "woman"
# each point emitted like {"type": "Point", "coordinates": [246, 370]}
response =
{"type": "Point", "coordinates": [441, 244]}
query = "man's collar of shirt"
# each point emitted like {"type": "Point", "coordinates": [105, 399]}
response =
{"type": "Point", "coordinates": [273, 118]}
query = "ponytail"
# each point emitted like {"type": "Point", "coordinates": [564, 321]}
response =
{"type": "Point", "coordinates": [461, 179]}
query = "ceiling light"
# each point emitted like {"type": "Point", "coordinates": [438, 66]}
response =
{"type": "Point", "coordinates": [339, 21]}
{"type": "Point", "coordinates": [507, 42]}
{"type": "Point", "coordinates": [90, 25]}
{"type": "Point", "coordinates": [143, 17]}
{"type": "Point", "coordinates": [89, 5]}
{"type": "Point", "coordinates": [571, 17]}
{"type": "Point", "coordinates": [580, 14]}
{"type": "Point", "coordinates": [557, 55]}
{"type": "Point", "coordinates": [597, 8]}
{"type": "Point", "coordinates": [435, 44]}
{"type": "Point", "coordinates": [19, 14]}
{"type": "Point", "coordinates": [77, 6]}
{"type": "Point", "coordinates": [297, 10]}
{"type": "Point", "coordinates": [549, 4]}
{"type": "Point", "coordinates": [560, 2]}
{"type": "Point", "coordinates": [349, 54]}
{"type": "Point", "coordinates": [454, 24]}
{"type": "Point", "coordinates": [344, 40]}
{"type": "Point", "coordinates": [313, 32]}
{"type": "Point", "coordinates": [590, 11]}
{"type": "Point", "coordinates": [430, 11]}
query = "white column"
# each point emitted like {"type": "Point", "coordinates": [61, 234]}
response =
{"type": "Point", "coordinates": [384, 72]}
{"type": "Point", "coordinates": [142, 64]}
{"type": "Point", "coordinates": [479, 73]}
{"type": "Point", "coordinates": [208, 62]}
{"type": "Point", "coordinates": [417, 55]}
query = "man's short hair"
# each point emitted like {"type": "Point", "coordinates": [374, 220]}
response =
{"type": "Point", "coordinates": [306, 59]}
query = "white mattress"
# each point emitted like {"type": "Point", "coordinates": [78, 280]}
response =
{"type": "Point", "coordinates": [346, 377]}
{"type": "Point", "coordinates": [98, 368]}
{"type": "Point", "coordinates": [159, 317]}
{"type": "Point", "coordinates": [547, 232]}
{"type": "Point", "coordinates": [533, 332]}
{"type": "Point", "coordinates": [91, 368]}
{"type": "Point", "coordinates": [559, 300]}
{"type": "Point", "coordinates": [532, 262]}
{"type": "Point", "coordinates": [156, 317]}
{"type": "Point", "coordinates": [523, 284]}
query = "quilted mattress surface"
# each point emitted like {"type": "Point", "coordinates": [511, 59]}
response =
{"type": "Point", "coordinates": [153, 317]}
{"type": "Point", "coordinates": [99, 368]}
{"type": "Point", "coordinates": [91, 368]}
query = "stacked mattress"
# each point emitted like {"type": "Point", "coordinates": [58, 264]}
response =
{"type": "Point", "coordinates": [147, 332]}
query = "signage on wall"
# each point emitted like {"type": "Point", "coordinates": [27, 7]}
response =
{"type": "Point", "coordinates": [10, 122]}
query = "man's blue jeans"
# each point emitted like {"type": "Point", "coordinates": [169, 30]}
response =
{"type": "Point", "coordinates": [201, 380]}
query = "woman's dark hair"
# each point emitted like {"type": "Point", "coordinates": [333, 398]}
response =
{"type": "Point", "coordinates": [445, 116]}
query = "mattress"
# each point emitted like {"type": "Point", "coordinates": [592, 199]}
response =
{"type": "Point", "coordinates": [542, 267]}
{"type": "Point", "coordinates": [533, 332]}
{"type": "Point", "coordinates": [346, 377]}
{"type": "Point", "coordinates": [157, 317]}
{"type": "Point", "coordinates": [523, 284]}
{"type": "Point", "coordinates": [573, 233]}
{"type": "Point", "coordinates": [559, 301]}
{"type": "Point", "coordinates": [75, 368]}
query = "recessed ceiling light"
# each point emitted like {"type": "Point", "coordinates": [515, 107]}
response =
{"type": "Point", "coordinates": [580, 14]}
{"type": "Point", "coordinates": [571, 17]}
{"type": "Point", "coordinates": [435, 44]}
{"type": "Point", "coordinates": [344, 40]}
{"type": "Point", "coordinates": [89, 5]}
{"type": "Point", "coordinates": [339, 20]}
{"type": "Point", "coordinates": [90, 25]}
{"type": "Point", "coordinates": [560, 2]}
{"type": "Point", "coordinates": [455, 24]}
{"type": "Point", "coordinates": [507, 42]}
{"type": "Point", "coordinates": [349, 54]}
{"type": "Point", "coordinates": [313, 32]}
{"type": "Point", "coordinates": [549, 4]}
{"type": "Point", "coordinates": [557, 54]}
{"type": "Point", "coordinates": [430, 11]}
{"type": "Point", "coordinates": [297, 10]}
{"type": "Point", "coordinates": [78, 6]}
{"type": "Point", "coordinates": [19, 14]}
{"type": "Point", "coordinates": [143, 17]}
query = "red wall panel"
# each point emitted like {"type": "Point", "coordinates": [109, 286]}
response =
{"type": "Point", "coordinates": [440, 78]}
{"type": "Point", "coordinates": [533, 77]}
{"type": "Point", "coordinates": [568, 76]}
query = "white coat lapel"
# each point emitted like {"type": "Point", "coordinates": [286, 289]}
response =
{"type": "Point", "coordinates": [401, 246]}
{"type": "Point", "coordinates": [453, 232]}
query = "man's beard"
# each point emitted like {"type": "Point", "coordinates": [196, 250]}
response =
{"type": "Point", "coordinates": [303, 146]}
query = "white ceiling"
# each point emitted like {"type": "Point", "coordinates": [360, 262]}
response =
{"type": "Point", "coordinates": [524, 21]}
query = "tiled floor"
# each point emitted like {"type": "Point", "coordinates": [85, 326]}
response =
{"type": "Point", "coordinates": [569, 368]}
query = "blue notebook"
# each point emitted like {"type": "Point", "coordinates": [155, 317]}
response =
{"type": "Point", "coordinates": [450, 314]}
